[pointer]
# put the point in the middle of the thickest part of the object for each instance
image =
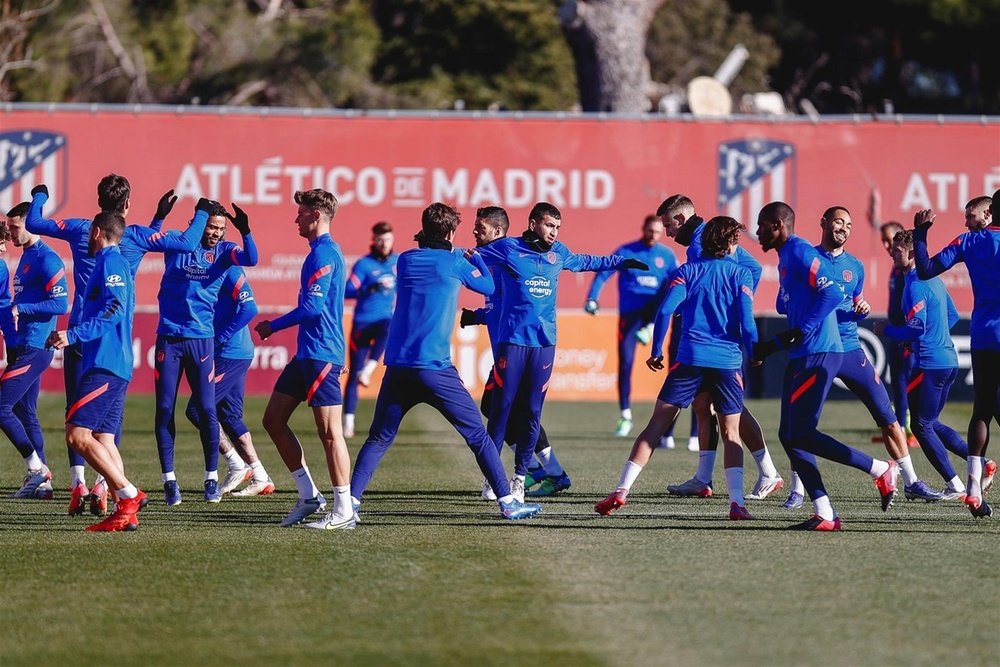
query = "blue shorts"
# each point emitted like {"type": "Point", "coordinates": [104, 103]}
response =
{"type": "Point", "coordinates": [724, 384]}
{"type": "Point", "coordinates": [860, 376]}
{"type": "Point", "coordinates": [315, 382]}
{"type": "Point", "coordinates": [100, 402]}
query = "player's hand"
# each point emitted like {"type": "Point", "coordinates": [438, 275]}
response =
{"type": "Point", "coordinates": [13, 315]}
{"type": "Point", "coordinates": [240, 221]}
{"type": "Point", "coordinates": [468, 318]}
{"type": "Point", "coordinates": [862, 307]}
{"type": "Point", "coordinates": [632, 263]}
{"type": "Point", "coordinates": [762, 350]}
{"type": "Point", "coordinates": [165, 205]}
{"type": "Point", "coordinates": [790, 338]}
{"type": "Point", "coordinates": [922, 220]}
{"type": "Point", "coordinates": [655, 363]}
{"type": "Point", "coordinates": [40, 189]}
{"type": "Point", "coordinates": [263, 329]}
{"type": "Point", "coordinates": [591, 307]}
{"type": "Point", "coordinates": [879, 328]}
{"type": "Point", "coordinates": [57, 340]}
{"type": "Point", "coordinates": [206, 205]}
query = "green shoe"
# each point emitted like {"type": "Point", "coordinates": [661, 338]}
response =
{"type": "Point", "coordinates": [534, 477]}
{"type": "Point", "coordinates": [550, 486]}
{"type": "Point", "coordinates": [645, 334]}
{"type": "Point", "coordinates": [623, 428]}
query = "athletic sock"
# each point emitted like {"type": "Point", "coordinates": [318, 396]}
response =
{"type": "Point", "coordinates": [259, 474]}
{"type": "Point", "coordinates": [878, 468]}
{"type": "Point", "coordinates": [33, 462]}
{"type": "Point", "coordinates": [797, 485]}
{"type": "Point", "coordinates": [233, 460]}
{"type": "Point", "coordinates": [348, 421]}
{"type": "Point", "coordinates": [506, 499]}
{"type": "Point", "coordinates": [955, 484]}
{"type": "Point", "coordinates": [304, 482]}
{"type": "Point", "coordinates": [974, 464]}
{"type": "Point", "coordinates": [98, 482]}
{"type": "Point", "coordinates": [128, 492]}
{"type": "Point", "coordinates": [764, 463]}
{"type": "Point", "coordinates": [706, 462]}
{"type": "Point", "coordinates": [342, 500]}
{"type": "Point", "coordinates": [824, 508]}
{"type": "Point", "coordinates": [630, 472]}
{"type": "Point", "coordinates": [212, 474]}
{"type": "Point", "coordinates": [906, 467]}
{"type": "Point", "coordinates": [76, 476]}
{"type": "Point", "coordinates": [548, 459]}
{"type": "Point", "coordinates": [627, 414]}
{"type": "Point", "coordinates": [168, 476]}
{"type": "Point", "coordinates": [734, 482]}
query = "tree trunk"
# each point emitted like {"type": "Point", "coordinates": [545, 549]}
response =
{"type": "Point", "coordinates": [608, 39]}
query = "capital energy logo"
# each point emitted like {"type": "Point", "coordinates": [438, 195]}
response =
{"type": "Point", "coordinates": [539, 287]}
{"type": "Point", "coordinates": [28, 158]}
{"type": "Point", "coordinates": [754, 172]}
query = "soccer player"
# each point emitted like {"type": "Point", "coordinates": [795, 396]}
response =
{"type": "Point", "coordinates": [104, 332]}
{"type": "Point", "coordinates": [980, 250]}
{"type": "Point", "coordinates": [681, 223]}
{"type": "Point", "coordinates": [897, 352]}
{"type": "Point", "coordinates": [637, 301]}
{"type": "Point", "coordinates": [856, 371]}
{"type": "Point", "coordinates": [185, 338]}
{"type": "Point", "coordinates": [373, 285]}
{"type": "Point", "coordinates": [418, 358]}
{"type": "Point", "coordinates": [930, 316]}
{"type": "Point", "coordinates": [40, 295]}
{"type": "Point", "coordinates": [978, 214]}
{"type": "Point", "coordinates": [234, 352]}
{"type": "Point", "coordinates": [531, 266]}
{"type": "Point", "coordinates": [548, 476]}
{"type": "Point", "coordinates": [113, 196]}
{"type": "Point", "coordinates": [811, 296]}
{"type": "Point", "coordinates": [717, 296]}
{"type": "Point", "coordinates": [313, 374]}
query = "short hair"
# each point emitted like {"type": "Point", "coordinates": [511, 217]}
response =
{"type": "Point", "coordinates": [113, 192]}
{"type": "Point", "coordinates": [995, 205]}
{"type": "Point", "coordinates": [674, 203]}
{"type": "Point", "coordinates": [892, 224]}
{"type": "Point", "coordinates": [903, 238]}
{"type": "Point", "coordinates": [833, 209]}
{"type": "Point", "coordinates": [649, 219]}
{"type": "Point", "coordinates": [542, 209]}
{"type": "Point", "coordinates": [720, 232]}
{"type": "Point", "coordinates": [439, 220]}
{"type": "Point", "coordinates": [496, 216]}
{"type": "Point", "coordinates": [779, 210]}
{"type": "Point", "coordinates": [19, 211]}
{"type": "Point", "coordinates": [4, 232]}
{"type": "Point", "coordinates": [381, 227]}
{"type": "Point", "coordinates": [318, 200]}
{"type": "Point", "coordinates": [111, 224]}
{"type": "Point", "coordinates": [976, 202]}
{"type": "Point", "coordinates": [216, 209]}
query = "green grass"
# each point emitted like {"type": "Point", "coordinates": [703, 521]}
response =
{"type": "Point", "coordinates": [432, 576]}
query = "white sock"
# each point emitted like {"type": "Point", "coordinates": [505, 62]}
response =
{"type": "Point", "coordinates": [33, 462]}
{"type": "Point", "coordinates": [98, 482]}
{"type": "Point", "coordinates": [630, 472]}
{"type": "Point", "coordinates": [212, 474]}
{"type": "Point", "coordinates": [548, 459]}
{"type": "Point", "coordinates": [797, 485]}
{"type": "Point", "coordinates": [342, 500]}
{"type": "Point", "coordinates": [128, 492]}
{"type": "Point", "coordinates": [233, 460]}
{"type": "Point", "coordinates": [259, 474]}
{"type": "Point", "coordinates": [955, 484]}
{"type": "Point", "coordinates": [168, 476]}
{"type": "Point", "coordinates": [823, 508]}
{"type": "Point", "coordinates": [878, 468]}
{"type": "Point", "coordinates": [734, 482]}
{"type": "Point", "coordinates": [906, 467]}
{"type": "Point", "coordinates": [764, 463]}
{"type": "Point", "coordinates": [304, 482]}
{"type": "Point", "coordinates": [76, 476]}
{"type": "Point", "coordinates": [505, 499]}
{"type": "Point", "coordinates": [706, 462]}
{"type": "Point", "coordinates": [348, 421]}
{"type": "Point", "coordinates": [974, 464]}
{"type": "Point", "coordinates": [369, 367]}
{"type": "Point", "coordinates": [627, 414]}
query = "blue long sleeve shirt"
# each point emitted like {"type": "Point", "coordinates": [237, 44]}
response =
{"type": "Point", "coordinates": [234, 311]}
{"type": "Point", "coordinates": [981, 253]}
{"type": "Point", "coordinates": [104, 327]}
{"type": "Point", "coordinates": [809, 296]}
{"type": "Point", "coordinates": [529, 282]}
{"type": "Point", "coordinates": [637, 289]}
{"type": "Point", "coordinates": [849, 274]}
{"type": "Point", "coordinates": [930, 316]}
{"type": "Point", "coordinates": [897, 283]}
{"type": "Point", "coordinates": [717, 300]}
{"type": "Point", "coordinates": [191, 283]}
{"type": "Point", "coordinates": [319, 314]}
{"type": "Point", "coordinates": [6, 317]}
{"type": "Point", "coordinates": [741, 256]}
{"type": "Point", "coordinates": [41, 294]}
{"type": "Point", "coordinates": [373, 284]}
{"type": "Point", "coordinates": [428, 280]}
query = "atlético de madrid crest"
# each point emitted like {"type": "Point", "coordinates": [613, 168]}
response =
{"type": "Point", "coordinates": [752, 173]}
{"type": "Point", "coordinates": [28, 158]}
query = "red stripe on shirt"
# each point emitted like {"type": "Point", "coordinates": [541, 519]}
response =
{"type": "Point", "coordinates": [54, 279]}
{"type": "Point", "coordinates": [813, 272]}
{"type": "Point", "coordinates": [239, 285]}
{"type": "Point", "coordinates": [917, 307]}
{"type": "Point", "coordinates": [319, 274]}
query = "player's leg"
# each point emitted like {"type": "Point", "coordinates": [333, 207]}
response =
{"type": "Point", "coordinates": [700, 485]}
{"type": "Point", "coordinates": [508, 371]}
{"type": "Point", "coordinates": [768, 478]}
{"type": "Point", "coordinates": [985, 408]}
{"type": "Point", "coordinates": [167, 379]}
{"type": "Point", "coordinates": [230, 389]}
{"type": "Point", "coordinates": [357, 348]}
{"type": "Point", "coordinates": [198, 362]}
{"type": "Point", "coordinates": [71, 357]}
{"type": "Point", "coordinates": [628, 325]}
{"type": "Point", "coordinates": [379, 337]}
{"type": "Point", "coordinates": [24, 368]}
{"type": "Point", "coordinates": [926, 390]}
{"type": "Point", "coordinates": [726, 387]}
{"type": "Point", "coordinates": [26, 410]}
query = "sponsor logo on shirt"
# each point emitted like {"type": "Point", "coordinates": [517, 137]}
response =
{"type": "Point", "coordinates": [114, 280]}
{"type": "Point", "coordinates": [647, 281]}
{"type": "Point", "coordinates": [539, 287]}
{"type": "Point", "coordinates": [245, 296]}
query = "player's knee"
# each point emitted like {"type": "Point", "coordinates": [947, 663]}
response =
{"type": "Point", "coordinates": [702, 406]}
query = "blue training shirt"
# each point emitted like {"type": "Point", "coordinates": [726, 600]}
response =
{"type": "Point", "coordinates": [41, 294]}
{"type": "Point", "coordinates": [6, 317]}
{"type": "Point", "coordinates": [980, 251]}
{"type": "Point", "coordinates": [373, 284]}
{"type": "Point", "coordinates": [428, 280]}
{"type": "Point", "coordinates": [529, 281]}
{"type": "Point", "coordinates": [808, 296]}
{"type": "Point", "coordinates": [234, 310]}
{"type": "Point", "coordinates": [717, 299]}
{"type": "Point", "coordinates": [637, 288]}
{"type": "Point", "coordinates": [849, 274]}
{"type": "Point", "coordinates": [104, 327]}
{"type": "Point", "coordinates": [319, 314]}
{"type": "Point", "coordinates": [930, 315]}
{"type": "Point", "coordinates": [897, 283]}
{"type": "Point", "coordinates": [741, 256]}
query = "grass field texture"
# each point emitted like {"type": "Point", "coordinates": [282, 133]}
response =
{"type": "Point", "coordinates": [433, 576]}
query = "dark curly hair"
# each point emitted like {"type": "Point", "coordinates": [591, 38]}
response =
{"type": "Point", "coordinates": [720, 232]}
